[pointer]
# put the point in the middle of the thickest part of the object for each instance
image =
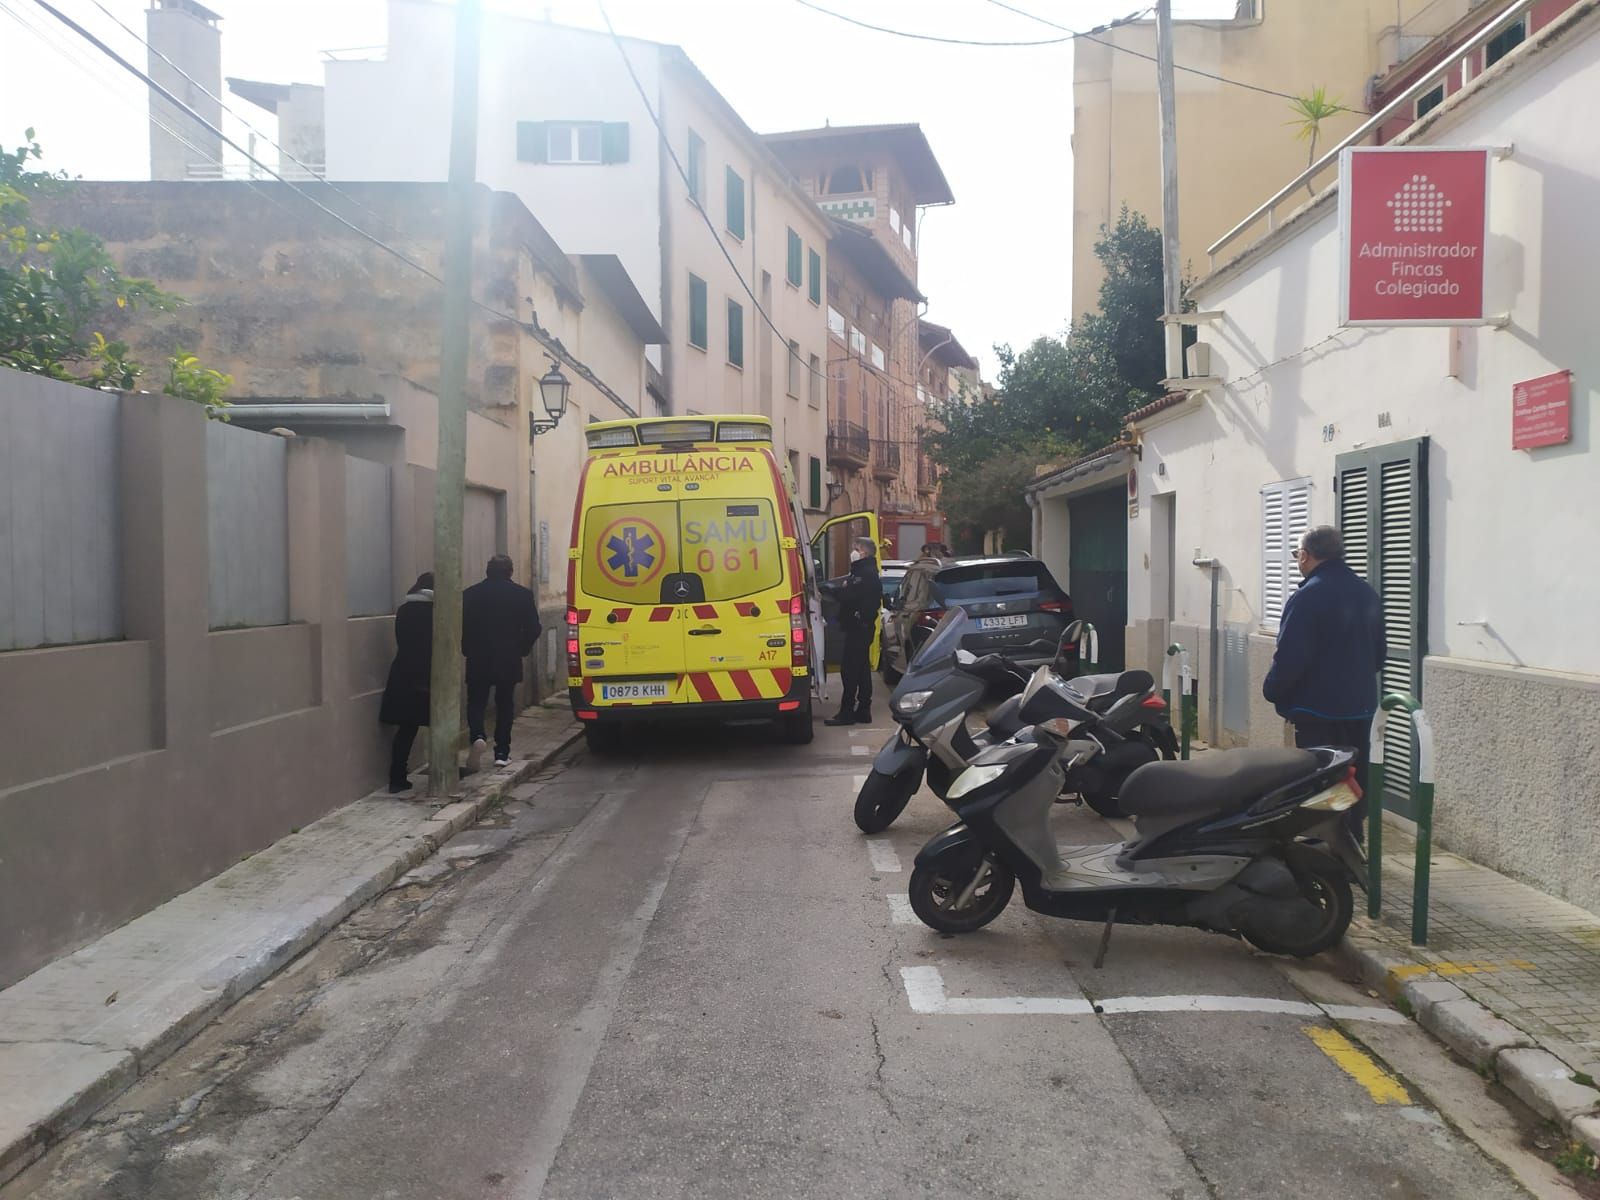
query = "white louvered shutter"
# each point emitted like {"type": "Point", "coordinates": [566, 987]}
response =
{"type": "Point", "coordinates": [1285, 517]}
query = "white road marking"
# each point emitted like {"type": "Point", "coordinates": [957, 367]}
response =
{"type": "Point", "coordinates": [926, 992]}
{"type": "Point", "coordinates": [861, 751]}
{"type": "Point", "coordinates": [900, 912]}
{"type": "Point", "coordinates": [881, 851]}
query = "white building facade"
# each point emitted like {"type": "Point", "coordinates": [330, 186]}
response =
{"type": "Point", "coordinates": [563, 125]}
{"type": "Point", "coordinates": [1484, 554]}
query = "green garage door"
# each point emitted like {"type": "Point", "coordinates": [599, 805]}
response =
{"type": "Point", "coordinates": [1098, 523]}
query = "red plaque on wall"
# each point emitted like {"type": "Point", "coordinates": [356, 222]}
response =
{"type": "Point", "coordinates": [1541, 411]}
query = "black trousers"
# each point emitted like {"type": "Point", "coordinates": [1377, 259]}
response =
{"type": "Point", "coordinates": [1314, 731]}
{"type": "Point", "coordinates": [400, 752]}
{"type": "Point", "coordinates": [505, 712]}
{"type": "Point", "coordinates": [855, 671]}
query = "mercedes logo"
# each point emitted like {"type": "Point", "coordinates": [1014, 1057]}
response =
{"type": "Point", "coordinates": [683, 587]}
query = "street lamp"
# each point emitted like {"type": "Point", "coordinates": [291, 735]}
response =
{"type": "Point", "coordinates": [553, 389]}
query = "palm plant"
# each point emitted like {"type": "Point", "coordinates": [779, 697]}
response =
{"type": "Point", "coordinates": [1310, 111]}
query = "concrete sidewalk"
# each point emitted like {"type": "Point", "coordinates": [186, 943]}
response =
{"type": "Point", "coordinates": [1509, 979]}
{"type": "Point", "coordinates": [77, 1032]}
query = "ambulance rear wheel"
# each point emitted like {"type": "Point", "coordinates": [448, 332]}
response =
{"type": "Point", "coordinates": [602, 739]}
{"type": "Point", "coordinates": [795, 728]}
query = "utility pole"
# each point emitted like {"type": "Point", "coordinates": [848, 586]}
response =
{"type": "Point", "coordinates": [450, 480]}
{"type": "Point", "coordinates": [1171, 288]}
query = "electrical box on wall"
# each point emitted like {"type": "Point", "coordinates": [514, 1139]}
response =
{"type": "Point", "coordinates": [1197, 360]}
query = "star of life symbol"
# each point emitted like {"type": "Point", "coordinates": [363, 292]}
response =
{"type": "Point", "coordinates": [631, 551]}
{"type": "Point", "coordinates": [1419, 207]}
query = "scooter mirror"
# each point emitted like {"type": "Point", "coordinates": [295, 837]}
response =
{"type": "Point", "coordinates": [966, 657]}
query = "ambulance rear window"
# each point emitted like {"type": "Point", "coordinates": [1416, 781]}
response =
{"type": "Point", "coordinates": [732, 545]}
{"type": "Point", "coordinates": [628, 549]}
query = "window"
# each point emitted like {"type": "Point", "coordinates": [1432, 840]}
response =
{"type": "Point", "coordinates": [836, 322]}
{"type": "Point", "coordinates": [1285, 517]}
{"type": "Point", "coordinates": [794, 467]}
{"type": "Point", "coordinates": [735, 204]}
{"type": "Point", "coordinates": [736, 333]}
{"type": "Point", "coordinates": [697, 312]}
{"type": "Point", "coordinates": [878, 359]}
{"type": "Point", "coordinates": [1429, 101]}
{"type": "Point", "coordinates": [794, 369]}
{"type": "Point", "coordinates": [858, 340]}
{"type": "Point", "coordinates": [816, 277]}
{"type": "Point", "coordinates": [816, 483]}
{"type": "Point", "coordinates": [697, 167]}
{"type": "Point", "coordinates": [572, 143]}
{"type": "Point", "coordinates": [984, 581]}
{"type": "Point", "coordinates": [905, 236]}
{"type": "Point", "coordinates": [894, 218]}
{"type": "Point", "coordinates": [1504, 42]}
{"type": "Point", "coordinates": [846, 181]}
{"type": "Point", "coordinates": [797, 256]}
{"type": "Point", "coordinates": [814, 383]}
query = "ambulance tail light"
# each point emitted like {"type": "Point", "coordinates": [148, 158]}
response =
{"type": "Point", "coordinates": [574, 664]}
{"type": "Point", "coordinates": [799, 651]}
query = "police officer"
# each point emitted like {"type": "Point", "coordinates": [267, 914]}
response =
{"type": "Point", "coordinates": [860, 599]}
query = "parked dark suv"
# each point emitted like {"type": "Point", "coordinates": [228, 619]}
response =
{"type": "Point", "coordinates": [1018, 609]}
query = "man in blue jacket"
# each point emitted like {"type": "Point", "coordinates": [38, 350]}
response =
{"type": "Point", "coordinates": [1331, 647]}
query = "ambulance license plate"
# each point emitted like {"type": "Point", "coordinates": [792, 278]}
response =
{"type": "Point", "coordinates": [633, 691]}
{"type": "Point", "coordinates": [1001, 622]}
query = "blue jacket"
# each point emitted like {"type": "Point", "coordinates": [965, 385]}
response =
{"type": "Point", "coordinates": [1330, 648]}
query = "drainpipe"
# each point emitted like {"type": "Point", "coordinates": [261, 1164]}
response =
{"type": "Point", "coordinates": [1214, 725]}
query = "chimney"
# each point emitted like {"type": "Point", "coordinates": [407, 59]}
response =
{"type": "Point", "coordinates": [186, 33]}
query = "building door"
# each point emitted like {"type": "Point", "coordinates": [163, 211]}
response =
{"type": "Point", "coordinates": [1098, 569]}
{"type": "Point", "coordinates": [1383, 513]}
{"type": "Point", "coordinates": [909, 538]}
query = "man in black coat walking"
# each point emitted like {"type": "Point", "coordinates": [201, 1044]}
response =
{"type": "Point", "coordinates": [499, 626]}
{"type": "Point", "coordinates": [1331, 649]}
{"type": "Point", "coordinates": [860, 599]}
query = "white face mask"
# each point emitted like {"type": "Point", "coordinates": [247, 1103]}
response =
{"type": "Point", "coordinates": [855, 556]}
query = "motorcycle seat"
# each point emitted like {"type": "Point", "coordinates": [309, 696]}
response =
{"type": "Point", "coordinates": [1219, 781]}
{"type": "Point", "coordinates": [1108, 689]}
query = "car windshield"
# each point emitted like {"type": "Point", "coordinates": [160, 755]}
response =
{"type": "Point", "coordinates": [979, 581]}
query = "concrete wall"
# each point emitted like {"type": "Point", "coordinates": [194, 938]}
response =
{"type": "Point", "coordinates": [132, 770]}
{"type": "Point", "coordinates": [1513, 650]}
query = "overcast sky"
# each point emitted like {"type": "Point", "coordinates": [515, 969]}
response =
{"type": "Point", "coordinates": [995, 266]}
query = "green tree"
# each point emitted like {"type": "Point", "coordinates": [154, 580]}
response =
{"type": "Point", "coordinates": [60, 289]}
{"type": "Point", "coordinates": [1060, 396]}
{"type": "Point", "coordinates": [1310, 111]}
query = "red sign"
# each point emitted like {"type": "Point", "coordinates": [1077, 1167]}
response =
{"type": "Point", "coordinates": [1541, 411]}
{"type": "Point", "coordinates": [1414, 224]}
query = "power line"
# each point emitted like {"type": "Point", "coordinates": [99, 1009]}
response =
{"type": "Point", "coordinates": [543, 336]}
{"type": "Point", "coordinates": [928, 37]}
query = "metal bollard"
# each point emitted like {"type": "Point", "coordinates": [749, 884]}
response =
{"type": "Point", "coordinates": [1188, 719]}
{"type": "Point", "coordinates": [1422, 805]}
{"type": "Point", "coordinates": [1088, 649]}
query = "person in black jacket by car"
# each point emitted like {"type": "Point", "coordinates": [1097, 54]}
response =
{"type": "Point", "coordinates": [406, 694]}
{"type": "Point", "coordinates": [499, 625]}
{"type": "Point", "coordinates": [1331, 648]}
{"type": "Point", "coordinates": [860, 599]}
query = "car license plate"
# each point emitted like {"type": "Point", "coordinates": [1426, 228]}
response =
{"type": "Point", "coordinates": [1001, 622]}
{"type": "Point", "coordinates": [633, 691]}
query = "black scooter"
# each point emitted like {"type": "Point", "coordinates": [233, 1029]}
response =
{"type": "Point", "coordinates": [1243, 842]}
{"type": "Point", "coordinates": [944, 685]}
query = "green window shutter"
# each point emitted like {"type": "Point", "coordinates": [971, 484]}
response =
{"type": "Point", "coordinates": [735, 204]}
{"type": "Point", "coordinates": [614, 142]}
{"type": "Point", "coordinates": [796, 258]}
{"type": "Point", "coordinates": [735, 333]}
{"type": "Point", "coordinates": [697, 312]}
{"type": "Point", "coordinates": [1382, 497]}
{"type": "Point", "coordinates": [532, 142]}
{"type": "Point", "coordinates": [816, 482]}
{"type": "Point", "coordinates": [816, 277]}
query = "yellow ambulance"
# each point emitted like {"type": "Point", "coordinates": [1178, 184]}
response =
{"type": "Point", "coordinates": [690, 591]}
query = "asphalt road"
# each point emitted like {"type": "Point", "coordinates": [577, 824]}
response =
{"type": "Point", "coordinates": [679, 972]}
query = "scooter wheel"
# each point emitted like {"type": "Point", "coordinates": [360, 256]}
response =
{"type": "Point", "coordinates": [883, 798]}
{"type": "Point", "coordinates": [936, 888]}
{"type": "Point", "coordinates": [1327, 886]}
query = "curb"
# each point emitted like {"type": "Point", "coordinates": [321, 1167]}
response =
{"type": "Point", "coordinates": [221, 990]}
{"type": "Point", "coordinates": [1497, 1049]}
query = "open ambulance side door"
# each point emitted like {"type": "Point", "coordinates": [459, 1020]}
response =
{"type": "Point", "coordinates": [830, 558]}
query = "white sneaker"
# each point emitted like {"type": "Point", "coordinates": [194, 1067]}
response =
{"type": "Point", "coordinates": [502, 760]}
{"type": "Point", "coordinates": [475, 753]}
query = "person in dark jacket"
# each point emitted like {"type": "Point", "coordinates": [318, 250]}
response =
{"type": "Point", "coordinates": [860, 599]}
{"type": "Point", "coordinates": [1331, 648]}
{"type": "Point", "coordinates": [499, 625]}
{"type": "Point", "coordinates": [406, 694]}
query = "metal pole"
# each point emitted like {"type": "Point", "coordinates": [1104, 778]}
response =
{"type": "Point", "coordinates": [1171, 288]}
{"type": "Point", "coordinates": [1375, 816]}
{"type": "Point", "coordinates": [450, 481]}
{"type": "Point", "coordinates": [1422, 797]}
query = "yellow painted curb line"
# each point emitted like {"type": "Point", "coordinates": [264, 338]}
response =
{"type": "Point", "coordinates": [1383, 1087]}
